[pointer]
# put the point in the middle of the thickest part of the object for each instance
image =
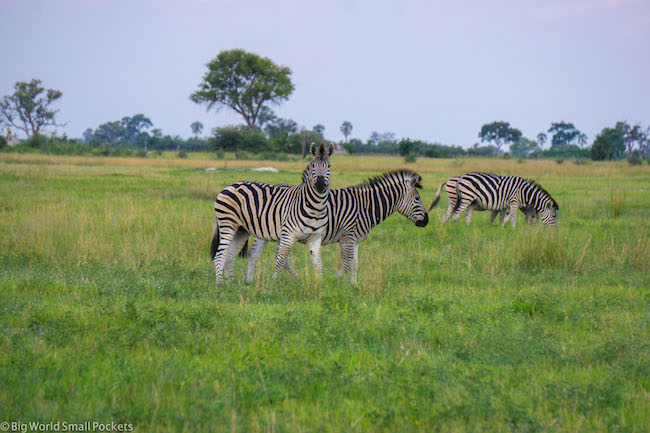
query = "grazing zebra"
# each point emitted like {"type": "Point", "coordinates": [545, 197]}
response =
{"type": "Point", "coordinates": [450, 188]}
{"type": "Point", "coordinates": [354, 211]}
{"type": "Point", "coordinates": [496, 193]}
{"type": "Point", "coordinates": [274, 213]}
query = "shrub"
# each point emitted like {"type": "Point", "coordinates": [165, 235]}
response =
{"type": "Point", "coordinates": [182, 153]}
{"type": "Point", "coordinates": [635, 158]}
{"type": "Point", "coordinates": [241, 154]}
{"type": "Point", "coordinates": [272, 156]}
{"type": "Point", "coordinates": [559, 160]}
{"type": "Point", "coordinates": [410, 158]}
{"type": "Point", "coordinates": [36, 141]}
{"type": "Point", "coordinates": [239, 138]}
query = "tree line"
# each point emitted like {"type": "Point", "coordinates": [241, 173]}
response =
{"type": "Point", "coordinates": [248, 84]}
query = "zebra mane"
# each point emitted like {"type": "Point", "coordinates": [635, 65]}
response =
{"type": "Point", "coordinates": [382, 179]}
{"type": "Point", "coordinates": [539, 186]}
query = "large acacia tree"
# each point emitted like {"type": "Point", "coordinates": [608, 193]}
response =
{"type": "Point", "coordinates": [29, 109]}
{"type": "Point", "coordinates": [500, 133]}
{"type": "Point", "coordinates": [244, 82]}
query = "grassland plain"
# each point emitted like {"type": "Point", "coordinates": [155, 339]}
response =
{"type": "Point", "coordinates": [109, 311]}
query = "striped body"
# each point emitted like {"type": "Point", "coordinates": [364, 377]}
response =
{"type": "Point", "coordinates": [356, 210]}
{"type": "Point", "coordinates": [498, 193]}
{"type": "Point", "coordinates": [281, 213]}
{"type": "Point", "coordinates": [452, 197]}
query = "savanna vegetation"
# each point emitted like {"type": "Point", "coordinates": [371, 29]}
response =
{"type": "Point", "coordinates": [109, 311]}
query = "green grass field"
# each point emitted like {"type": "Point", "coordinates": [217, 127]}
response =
{"type": "Point", "coordinates": [109, 311]}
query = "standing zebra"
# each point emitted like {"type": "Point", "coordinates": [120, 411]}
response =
{"type": "Point", "coordinates": [496, 193]}
{"type": "Point", "coordinates": [354, 211]}
{"type": "Point", "coordinates": [274, 213]}
{"type": "Point", "coordinates": [450, 189]}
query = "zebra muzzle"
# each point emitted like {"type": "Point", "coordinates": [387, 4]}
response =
{"type": "Point", "coordinates": [320, 184]}
{"type": "Point", "coordinates": [423, 222]}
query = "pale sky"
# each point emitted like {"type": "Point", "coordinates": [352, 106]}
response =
{"type": "Point", "coordinates": [429, 70]}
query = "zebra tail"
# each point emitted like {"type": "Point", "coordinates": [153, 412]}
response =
{"type": "Point", "coordinates": [244, 251]}
{"type": "Point", "coordinates": [215, 239]}
{"type": "Point", "coordinates": [436, 199]}
{"type": "Point", "coordinates": [459, 198]}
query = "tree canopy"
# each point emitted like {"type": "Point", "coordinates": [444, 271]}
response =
{"type": "Point", "coordinates": [500, 133]}
{"type": "Point", "coordinates": [564, 134]}
{"type": "Point", "coordinates": [29, 108]}
{"type": "Point", "coordinates": [346, 129]}
{"type": "Point", "coordinates": [244, 82]}
{"type": "Point", "coordinates": [608, 145]}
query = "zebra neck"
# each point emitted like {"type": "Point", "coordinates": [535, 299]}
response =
{"type": "Point", "coordinates": [378, 204]}
{"type": "Point", "coordinates": [316, 202]}
{"type": "Point", "coordinates": [531, 196]}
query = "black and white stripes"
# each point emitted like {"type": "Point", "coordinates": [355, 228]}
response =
{"type": "Point", "coordinates": [354, 211]}
{"type": "Point", "coordinates": [498, 193]}
{"type": "Point", "coordinates": [274, 213]}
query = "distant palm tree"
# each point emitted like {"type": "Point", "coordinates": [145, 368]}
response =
{"type": "Point", "coordinates": [346, 129]}
{"type": "Point", "coordinates": [197, 127]}
{"type": "Point", "coordinates": [541, 139]}
{"type": "Point", "coordinates": [319, 129]}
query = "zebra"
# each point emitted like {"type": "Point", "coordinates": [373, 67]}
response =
{"type": "Point", "coordinates": [495, 193]}
{"type": "Point", "coordinates": [356, 210]}
{"type": "Point", "coordinates": [450, 189]}
{"type": "Point", "coordinates": [281, 213]}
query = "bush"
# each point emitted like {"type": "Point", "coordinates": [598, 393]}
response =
{"type": "Point", "coordinates": [99, 151]}
{"type": "Point", "coordinates": [410, 158]}
{"type": "Point", "coordinates": [36, 141]}
{"type": "Point", "coordinates": [239, 138]}
{"type": "Point", "coordinates": [241, 154]}
{"type": "Point", "coordinates": [141, 153]}
{"type": "Point", "coordinates": [559, 160]}
{"type": "Point", "coordinates": [635, 158]}
{"type": "Point", "coordinates": [272, 156]}
{"type": "Point", "coordinates": [182, 153]}
{"type": "Point", "coordinates": [3, 142]}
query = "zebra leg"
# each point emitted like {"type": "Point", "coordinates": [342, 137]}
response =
{"type": "Point", "coordinates": [463, 206]}
{"type": "Point", "coordinates": [282, 259]}
{"type": "Point", "coordinates": [226, 235]}
{"type": "Point", "coordinates": [314, 252]}
{"type": "Point", "coordinates": [468, 213]}
{"type": "Point", "coordinates": [347, 256]}
{"type": "Point", "coordinates": [253, 257]}
{"type": "Point", "coordinates": [494, 215]}
{"type": "Point", "coordinates": [355, 264]}
{"type": "Point", "coordinates": [512, 214]}
{"type": "Point", "coordinates": [235, 247]}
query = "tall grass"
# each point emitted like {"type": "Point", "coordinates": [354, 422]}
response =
{"type": "Point", "coordinates": [109, 312]}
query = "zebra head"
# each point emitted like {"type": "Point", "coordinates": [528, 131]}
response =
{"type": "Point", "coordinates": [317, 173]}
{"type": "Point", "coordinates": [540, 200]}
{"type": "Point", "coordinates": [410, 204]}
{"type": "Point", "coordinates": [549, 214]}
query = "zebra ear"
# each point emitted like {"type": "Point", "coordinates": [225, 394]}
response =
{"type": "Point", "coordinates": [321, 149]}
{"type": "Point", "coordinates": [312, 149]}
{"type": "Point", "coordinates": [330, 149]}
